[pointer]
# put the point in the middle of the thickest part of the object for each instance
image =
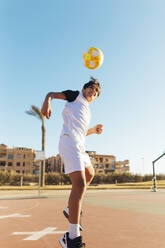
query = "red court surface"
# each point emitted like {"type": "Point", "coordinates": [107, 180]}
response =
{"type": "Point", "coordinates": [112, 218]}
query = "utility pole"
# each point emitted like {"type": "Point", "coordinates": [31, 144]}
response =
{"type": "Point", "coordinates": [40, 155]}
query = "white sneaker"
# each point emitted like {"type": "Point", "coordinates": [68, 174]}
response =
{"type": "Point", "coordinates": [66, 214]}
{"type": "Point", "coordinates": [63, 241]}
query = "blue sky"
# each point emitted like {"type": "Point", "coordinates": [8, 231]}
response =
{"type": "Point", "coordinates": [41, 46]}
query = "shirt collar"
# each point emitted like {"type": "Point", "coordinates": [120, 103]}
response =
{"type": "Point", "coordinates": [83, 99]}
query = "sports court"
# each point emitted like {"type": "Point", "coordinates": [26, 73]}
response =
{"type": "Point", "coordinates": [112, 218]}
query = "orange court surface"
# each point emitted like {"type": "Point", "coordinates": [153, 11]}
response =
{"type": "Point", "coordinates": [111, 219]}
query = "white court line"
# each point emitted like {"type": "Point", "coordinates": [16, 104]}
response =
{"type": "Point", "coordinates": [39, 234]}
{"type": "Point", "coordinates": [14, 216]}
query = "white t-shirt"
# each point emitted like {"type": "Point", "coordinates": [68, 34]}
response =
{"type": "Point", "coordinates": [76, 116]}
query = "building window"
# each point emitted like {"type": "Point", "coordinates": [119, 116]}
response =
{"type": "Point", "coordinates": [35, 171]}
{"type": "Point", "coordinates": [10, 163]}
{"type": "Point", "coordinates": [24, 156]}
{"type": "Point", "coordinates": [18, 171]}
{"type": "Point", "coordinates": [106, 159]}
{"type": "Point", "coordinates": [10, 156]}
{"type": "Point", "coordinates": [2, 163]}
{"type": "Point", "coordinates": [23, 171]}
{"type": "Point", "coordinates": [101, 166]}
{"type": "Point", "coordinates": [101, 160]}
{"type": "Point", "coordinates": [23, 163]}
{"type": "Point", "coordinates": [18, 164]}
{"type": "Point", "coordinates": [18, 155]}
{"type": "Point", "coordinates": [2, 155]}
{"type": "Point", "coordinates": [112, 161]}
{"type": "Point", "coordinates": [107, 166]}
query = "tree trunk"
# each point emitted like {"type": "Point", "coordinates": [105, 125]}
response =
{"type": "Point", "coordinates": [43, 161]}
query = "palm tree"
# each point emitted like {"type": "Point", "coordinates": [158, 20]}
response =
{"type": "Point", "coordinates": [35, 111]}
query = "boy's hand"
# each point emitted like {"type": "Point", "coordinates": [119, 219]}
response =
{"type": "Point", "coordinates": [98, 129]}
{"type": "Point", "coordinates": [46, 109]}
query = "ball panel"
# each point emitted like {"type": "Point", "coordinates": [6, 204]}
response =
{"type": "Point", "coordinates": [93, 58]}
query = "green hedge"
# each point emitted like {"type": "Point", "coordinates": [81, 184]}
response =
{"type": "Point", "coordinates": [112, 178]}
{"type": "Point", "coordinates": [13, 178]}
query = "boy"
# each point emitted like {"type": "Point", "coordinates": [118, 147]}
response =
{"type": "Point", "coordinates": [77, 164]}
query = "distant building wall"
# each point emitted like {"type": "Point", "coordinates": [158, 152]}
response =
{"type": "Point", "coordinates": [107, 163]}
{"type": "Point", "coordinates": [22, 160]}
{"type": "Point", "coordinates": [101, 163]}
{"type": "Point", "coordinates": [18, 159]}
{"type": "Point", "coordinates": [54, 164]}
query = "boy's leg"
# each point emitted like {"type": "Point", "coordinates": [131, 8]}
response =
{"type": "Point", "coordinates": [89, 174]}
{"type": "Point", "coordinates": [80, 182]}
{"type": "Point", "coordinates": [75, 200]}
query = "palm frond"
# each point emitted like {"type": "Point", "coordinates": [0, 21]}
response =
{"type": "Point", "coordinates": [35, 111]}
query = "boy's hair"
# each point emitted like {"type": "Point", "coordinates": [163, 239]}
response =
{"type": "Point", "coordinates": [94, 82]}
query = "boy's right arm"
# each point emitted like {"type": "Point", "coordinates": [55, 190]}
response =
{"type": "Point", "coordinates": [46, 108]}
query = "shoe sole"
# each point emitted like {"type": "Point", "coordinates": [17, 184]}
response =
{"type": "Point", "coordinates": [61, 243]}
{"type": "Point", "coordinates": [67, 216]}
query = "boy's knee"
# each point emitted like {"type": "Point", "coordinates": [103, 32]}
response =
{"type": "Point", "coordinates": [90, 174]}
{"type": "Point", "coordinates": [82, 186]}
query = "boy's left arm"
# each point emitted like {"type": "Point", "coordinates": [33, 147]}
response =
{"type": "Point", "coordinates": [96, 129]}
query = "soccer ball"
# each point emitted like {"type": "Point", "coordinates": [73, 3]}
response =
{"type": "Point", "coordinates": [93, 58]}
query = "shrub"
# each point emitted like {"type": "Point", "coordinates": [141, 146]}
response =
{"type": "Point", "coordinates": [15, 178]}
{"type": "Point", "coordinates": [66, 179]}
{"type": "Point", "coordinates": [52, 179]}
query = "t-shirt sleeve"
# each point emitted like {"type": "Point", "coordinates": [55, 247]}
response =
{"type": "Point", "coordinates": [70, 95]}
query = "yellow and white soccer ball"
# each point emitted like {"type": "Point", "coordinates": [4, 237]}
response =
{"type": "Point", "coordinates": [93, 58]}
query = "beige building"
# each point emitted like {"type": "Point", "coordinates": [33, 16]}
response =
{"type": "Point", "coordinates": [54, 164]}
{"type": "Point", "coordinates": [22, 160]}
{"type": "Point", "coordinates": [102, 163]}
{"type": "Point", "coordinates": [51, 164]}
{"type": "Point", "coordinates": [18, 159]}
{"type": "Point", "coordinates": [107, 163]}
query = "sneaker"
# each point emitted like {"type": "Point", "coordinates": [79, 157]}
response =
{"type": "Point", "coordinates": [66, 242]}
{"type": "Point", "coordinates": [66, 214]}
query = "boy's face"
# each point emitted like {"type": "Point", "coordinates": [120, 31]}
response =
{"type": "Point", "coordinates": [90, 93]}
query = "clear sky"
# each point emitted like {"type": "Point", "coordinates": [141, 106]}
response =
{"type": "Point", "coordinates": [41, 46]}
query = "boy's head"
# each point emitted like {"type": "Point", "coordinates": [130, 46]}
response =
{"type": "Point", "coordinates": [91, 90]}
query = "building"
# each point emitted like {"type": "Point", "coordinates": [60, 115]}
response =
{"type": "Point", "coordinates": [54, 164]}
{"type": "Point", "coordinates": [18, 159]}
{"type": "Point", "coordinates": [22, 160]}
{"type": "Point", "coordinates": [51, 164]}
{"type": "Point", "coordinates": [107, 163]}
{"type": "Point", "coordinates": [101, 163]}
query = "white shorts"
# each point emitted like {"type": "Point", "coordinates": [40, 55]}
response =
{"type": "Point", "coordinates": [73, 155]}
